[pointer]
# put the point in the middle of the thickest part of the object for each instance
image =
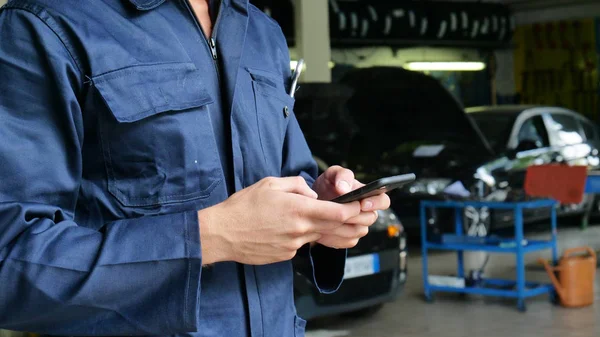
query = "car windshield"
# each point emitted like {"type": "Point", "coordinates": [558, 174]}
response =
{"type": "Point", "coordinates": [495, 127]}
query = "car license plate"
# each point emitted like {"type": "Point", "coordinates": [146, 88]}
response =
{"type": "Point", "coordinates": [361, 266]}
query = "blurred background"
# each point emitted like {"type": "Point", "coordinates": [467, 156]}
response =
{"type": "Point", "coordinates": [469, 96]}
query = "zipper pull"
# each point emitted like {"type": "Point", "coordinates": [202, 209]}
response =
{"type": "Point", "coordinates": [213, 48]}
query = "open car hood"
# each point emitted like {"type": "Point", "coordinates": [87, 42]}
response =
{"type": "Point", "coordinates": [386, 121]}
{"type": "Point", "coordinates": [406, 118]}
{"type": "Point", "coordinates": [406, 106]}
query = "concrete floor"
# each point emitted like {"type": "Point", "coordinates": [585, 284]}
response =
{"type": "Point", "coordinates": [453, 315]}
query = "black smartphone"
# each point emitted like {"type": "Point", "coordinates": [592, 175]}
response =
{"type": "Point", "coordinates": [376, 187]}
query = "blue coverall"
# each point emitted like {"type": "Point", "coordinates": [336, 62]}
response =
{"type": "Point", "coordinates": [119, 120]}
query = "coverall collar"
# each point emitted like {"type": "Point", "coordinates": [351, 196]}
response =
{"type": "Point", "coordinates": [145, 5]}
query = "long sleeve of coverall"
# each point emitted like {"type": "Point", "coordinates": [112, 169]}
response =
{"type": "Point", "coordinates": [126, 277]}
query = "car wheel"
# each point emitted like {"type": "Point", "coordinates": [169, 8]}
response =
{"type": "Point", "coordinates": [585, 210]}
{"type": "Point", "coordinates": [577, 214]}
{"type": "Point", "coordinates": [477, 221]}
{"type": "Point", "coordinates": [364, 313]}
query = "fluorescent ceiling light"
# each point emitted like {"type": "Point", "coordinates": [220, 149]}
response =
{"type": "Point", "coordinates": [445, 66]}
{"type": "Point", "coordinates": [293, 65]}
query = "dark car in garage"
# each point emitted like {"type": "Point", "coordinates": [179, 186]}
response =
{"type": "Point", "coordinates": [408, 122]}
{"type": "Point", "coordinates": [375, 274]}
{"type": "Point", "coordinates": [376, 268]}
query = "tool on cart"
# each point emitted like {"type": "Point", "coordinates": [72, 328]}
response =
{"type": "Point", "coordinates": [477, 276]}
{"type": "Point", "coordinates": [576, 273]}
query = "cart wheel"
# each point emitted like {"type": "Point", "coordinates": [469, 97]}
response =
{"type": "Point", "coordinates": [521, 306]}
{"type": "Point", "coordinates": [428, 298]}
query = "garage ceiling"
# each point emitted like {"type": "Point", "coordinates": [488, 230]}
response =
{"type": "Point", "coordinates": [532, 11]}
{"type": "Point", "coordinates": [522, 5]}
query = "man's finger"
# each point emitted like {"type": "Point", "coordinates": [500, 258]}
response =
{"type": "Point", "coordinates": [341, 178]}
{"type": "Point", "coordinates": [348, 231]}
{"type": "Point", "coordinates": [364, 219]}
{"type": "Point", "coordinates": [291, 185]}
{"type": "Point", "coordinates": [312, 237]}
{"type": "Point", "coordinates": [379, 202]}
{"type": "Point", "coordinates": [337, 242]}
{"type": "Point", "coordinates": [357, 184]}
{"type": "Point", "coordinates": [323, 226]}
{"type": "Point", "coordinates": [327, 210]}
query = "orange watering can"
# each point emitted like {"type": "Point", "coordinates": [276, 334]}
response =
{"type": "Point", "coordinates": [576, 273]}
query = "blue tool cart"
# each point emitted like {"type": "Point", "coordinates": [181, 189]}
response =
{"type": "Point", "coordinates": [592, 186]}
{"type": "Point", "coordinates": [592, 183]}
{"type": "Point", "coordinates": [519, 288]}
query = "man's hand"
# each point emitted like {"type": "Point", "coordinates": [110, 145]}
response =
{"type": "Point", "coordinates": [269, 221]}
{"type": "Point", "coordinates": [337, 181]}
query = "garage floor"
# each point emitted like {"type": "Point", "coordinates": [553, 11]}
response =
{"type": "Point", "coordinates": [453, 315]}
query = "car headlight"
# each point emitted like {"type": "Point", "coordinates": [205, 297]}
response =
{"type": "Point", "coordinates": [429, 186]}
{"type": "Point", "coordinates": [388, 221]}
{"type": "Point", "coordinates": [384, 218]}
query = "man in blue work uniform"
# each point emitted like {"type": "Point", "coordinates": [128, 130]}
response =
{"type": "Point", "coordinates": [153, 177]}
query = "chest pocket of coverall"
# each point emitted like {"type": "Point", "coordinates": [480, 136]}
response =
{"type": "Point", "coordinates": [274, 106]}
{"type": "Point", "coordinates": [158, 142]}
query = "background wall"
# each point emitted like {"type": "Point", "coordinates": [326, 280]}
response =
{"type": "Point", "coordinates": [564, 10]}
{"type": "Point", "coordinates": [556, 63]}
{"type": "Point", "coordinates": [555, 55]}
{"type": "Point", "coordinates": [2, 2]}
